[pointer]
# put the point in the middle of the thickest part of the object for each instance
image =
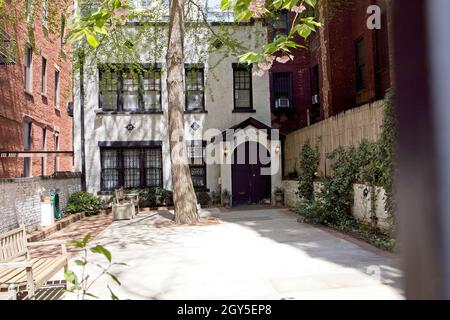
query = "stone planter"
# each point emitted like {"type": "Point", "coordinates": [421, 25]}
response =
{"type": "Point", "coordinates": [279, 199]}
{"type": "Point", "coordinates": [226, 202]}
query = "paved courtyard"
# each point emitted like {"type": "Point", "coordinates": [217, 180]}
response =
{"type": "Point", "coordinates": [250, 254]}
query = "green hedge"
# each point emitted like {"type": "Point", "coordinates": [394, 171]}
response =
{"type": "Point", "coordinates": [83, 202]}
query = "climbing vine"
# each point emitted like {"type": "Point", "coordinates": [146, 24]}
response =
{"type": "Point", "coordinates": [371, 163]}
{"type": "Point", "coordinates": [309, 162]}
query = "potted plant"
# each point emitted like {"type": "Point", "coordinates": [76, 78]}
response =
{"type": "Point", "coordinates": [279, 196]}
{"type": "Point", "coordinates": [204, 199]}
{"type": "Point", "coordinates": [293, 174]}
{"type": "Point", "coordinates": [226, 198]}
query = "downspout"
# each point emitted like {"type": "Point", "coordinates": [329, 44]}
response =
{"type": "Point", "coordinates": [83, 151]}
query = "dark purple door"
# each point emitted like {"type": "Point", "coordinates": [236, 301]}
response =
{"type": "Point", "coordinates": [250, 186]}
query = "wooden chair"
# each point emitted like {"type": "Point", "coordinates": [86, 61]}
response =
{"type": "Point", "coordinates": [19, 271]}
{"type": "Point", "coordinates": [122, 199]}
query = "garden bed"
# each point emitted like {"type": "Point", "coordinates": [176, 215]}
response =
{"type": "Point", "coordinates": [358, 231]}
{"type": "Point", "coordinates": [58, 225]}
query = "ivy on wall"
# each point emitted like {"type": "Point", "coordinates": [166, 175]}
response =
{"type": "Point", "coordinates": [371, 163]}
{"type": "Point", "coordinates": [309, 161]}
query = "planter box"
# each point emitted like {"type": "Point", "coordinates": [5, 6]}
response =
{"type": "Point", "coordinates": [45, 232]}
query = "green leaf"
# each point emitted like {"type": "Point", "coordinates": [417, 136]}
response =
{"type": "Point", "coordinates": [86, 239]}
{"type": "Point", "coordinates": [90, 295]}
{"type": "Point", "coordinates": [114, 277]}
{"type": "Point", "coordinates": [113, 296]}
{"type": "Point", "coordinates": [71, 277]}
{"type": "Point", "coordinates": [80, 262]}
{"type": "Point", "coordinates": [102, 250]}
{"type": "Point", "coordinates": [91, 39]}
{"type": "Point", "coordinates": [312, 3]}
{"type": "Point", "coordinates": [250, 57]}
{"type": "Point", "coordinates": [101, 30]}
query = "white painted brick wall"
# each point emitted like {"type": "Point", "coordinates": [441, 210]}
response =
{"type": "Point", "coordinates": [20, 199]}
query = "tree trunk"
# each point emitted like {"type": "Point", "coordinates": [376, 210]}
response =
{"type": "Point", "coordinates": [185, 200]}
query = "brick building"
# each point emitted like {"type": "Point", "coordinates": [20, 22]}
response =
{"type": "Point", "coordinates": [35, 91]}
{"type": "Point", "coordinates": [347, 65]}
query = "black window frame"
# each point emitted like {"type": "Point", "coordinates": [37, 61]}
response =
{"type": "Point", "coordinates": [57, 88]}
{"type": "Point", "coordinates": [194, 68]}
{"type": "Point", "coordinates": [7, 54]}
{"type": "Point", "coordinates": [238, 67]}
{"type": "Point", "coordinates": [44, 76]}
{"type": "Point", "coordinates": [360, 65]}
{"type": "Point", "coordinates": [119, 70]}
{"type": "Point", "coordinates": [202, 144]}
{"type": "Point", "coordinates": [283, 16]}
{"type": "Point", "coordinates": [28, 69]}
{"type": "Point", "coordinates": [276, 90]}
{"type": "Point", "coordinates": [120, 160]}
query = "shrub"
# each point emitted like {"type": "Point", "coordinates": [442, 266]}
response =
{"type": "Point", "coordinates": [83, 202]}
{"type": "Point", "coordinates": [168, 197]}
{"type": "Point", "coordinates": [203, 198]}
{"type": "Point", "coordinates": [308, 164]}
{"type": "Point", "coordinates": [155, 196]}
{"type": "Point", "coordinates": [216, 199]}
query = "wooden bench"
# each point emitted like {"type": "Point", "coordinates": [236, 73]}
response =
{"type": "Point", "coordinates": [19, 271]}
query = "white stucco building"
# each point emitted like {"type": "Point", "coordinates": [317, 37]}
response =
{"type": "Point", "coordinates": [121, 124]}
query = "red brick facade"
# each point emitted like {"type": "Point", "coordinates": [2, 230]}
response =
{"type": "Point", "coordinates": [345, 24]}
{"type": "Point", "coordinates": [18, 107]}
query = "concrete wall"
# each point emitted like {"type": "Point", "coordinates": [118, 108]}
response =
{"type": "Point", "coordinates": [362, 203]}
{"type": "Point", "coordinates": [346, 129]}
{"type": "Point", "coordinates": [20, 198]}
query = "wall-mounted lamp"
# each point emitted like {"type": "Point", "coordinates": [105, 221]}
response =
{"type": "Point", "coordinates": [225, 151]}
{"type": "Point", "coordinates": [277, 149]}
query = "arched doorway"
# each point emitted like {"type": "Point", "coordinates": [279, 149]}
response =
{"type": "Point", "coordinates": [249, 186]}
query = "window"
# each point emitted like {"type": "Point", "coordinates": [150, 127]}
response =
{"type": "Point", "coordinates": [151, 82]}
{"type": "Point", "coordinates": [28, 69]}
{"type": "Point", "coordinates": [57, 88]}
{"type": "Point", "coordinates": [141, 4]}
{"type": "Point", "coordinates": [195, 95]}
{"type": "Point", "coordinates": [197, 163]}
{"type": "Point", "coordinates": [360, 59]}
{"type": "Point", "coordinates": [282, 90]}
{"type": "Point", "coordinates": [27, 145]}
{"type": "Point", "coordinates": [44, 77]}
{"type": "Point", "coordinates": [109, 81]}
{"type": "Point", "coordinates": [215, 13]}
{"type": "Point", "coordinates": [123, 89]}
{"type": "Point", "coordinates": [242, 84]}
{"type": "Point", "coordinates": [44, 13]}
{"type": "Point", "coordinates": [280, 25]}
{"type": "Point", "coordinates": [56, 158]}
{"type": "Point", "coordinates": [130, 91]}
{"type": "Point", "coordinates": [131, 168]}
{"type": "Point", "coordinates": [7, 45]}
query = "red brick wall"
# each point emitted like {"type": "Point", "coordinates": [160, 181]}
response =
{"type": "Point", "coordinates": [345, 23]}
{"type": "Point", "coordinates": [17, 105]}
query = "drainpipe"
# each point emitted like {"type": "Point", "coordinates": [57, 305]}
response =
{"type": "Point", "coordinates": [83, 151]}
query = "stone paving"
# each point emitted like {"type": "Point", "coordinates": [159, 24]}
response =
{"type": "Point", "coordinates": [92, 225]}
{"type": "Point", "coordinates": [250, 254]}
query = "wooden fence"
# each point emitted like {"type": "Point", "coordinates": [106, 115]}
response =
{"type": "Point", "coordinates": [345, 129]}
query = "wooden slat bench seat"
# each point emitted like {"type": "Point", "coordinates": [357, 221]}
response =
{"type": "Point", "coordinates": [20, 272]}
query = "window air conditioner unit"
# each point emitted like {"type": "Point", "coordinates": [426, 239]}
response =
{"type": "Point", "coordinates": [315, 99]}
{"type": "Point", "coordinates": [282, 103]}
